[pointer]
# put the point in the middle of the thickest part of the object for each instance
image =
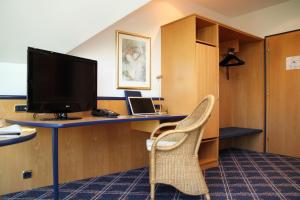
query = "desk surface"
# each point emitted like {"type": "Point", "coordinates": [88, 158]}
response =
{"type": "Point", "coordinates": [85, 121]}
{"type": "Point", "coordinates": [26, 134]}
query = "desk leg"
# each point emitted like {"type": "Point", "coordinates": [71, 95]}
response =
{"type": "Point", "coordinates": [55, 162]}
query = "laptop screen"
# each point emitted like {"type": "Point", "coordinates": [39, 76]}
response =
{"type": "Point", "coordinates": [141, 105]}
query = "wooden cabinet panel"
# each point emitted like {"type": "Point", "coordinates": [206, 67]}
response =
{"type": "Point", "coordinates": [190, 69]}
{"type": "Point", "coordinates": [208, 153]}
{"type": "Point", "coordinates": [212, 126]}
{"type": "Point", "coordinates": [207, 64]}
{"type": "Point", "coordinates": [178, 61]}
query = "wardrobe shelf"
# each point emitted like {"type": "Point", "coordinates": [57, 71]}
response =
{"type": "Point", "coordinates": [206, 43]}
{"type": "Point", "coordinates": [230, 132]}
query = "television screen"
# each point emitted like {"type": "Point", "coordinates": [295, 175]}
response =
{"type": "Point", "coordinates": [60, 83]}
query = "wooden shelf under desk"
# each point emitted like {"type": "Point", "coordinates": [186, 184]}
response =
{"type": "Point", "coordinates": [145, 126]}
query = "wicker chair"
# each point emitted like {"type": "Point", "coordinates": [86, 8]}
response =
{"type": "Point", "coordinates": [174, 153]}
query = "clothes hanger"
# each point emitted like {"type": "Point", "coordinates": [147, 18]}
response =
{"type": "Point", "coordinates": [230, 60]}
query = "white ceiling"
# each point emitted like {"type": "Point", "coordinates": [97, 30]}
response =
{"type": "Point", "coordinates": [57, 25]}
{"type": "Point", "coordinates": [61, 25]}
{"type": "Point", "coordinates": [233, 8]}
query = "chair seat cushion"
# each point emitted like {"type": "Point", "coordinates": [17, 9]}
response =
{"type": "Point", "coordinates": [149, 143]}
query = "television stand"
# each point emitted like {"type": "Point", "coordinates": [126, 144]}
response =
{"type": "Point", "coordinates": [60, 116]}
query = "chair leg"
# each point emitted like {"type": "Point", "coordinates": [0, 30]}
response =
{"type": "Point", "coordinates": [152, 188]}
{"type": "Point", "coordinates": [207, 197]}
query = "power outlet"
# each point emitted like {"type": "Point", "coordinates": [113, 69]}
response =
{"type": "Point", "coordinates": [27, 174]}
{"type": "Point", "coordinates": [20, 108]}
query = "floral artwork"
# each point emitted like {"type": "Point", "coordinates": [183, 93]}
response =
{"type": "Point", "coordinates": [133, 61]}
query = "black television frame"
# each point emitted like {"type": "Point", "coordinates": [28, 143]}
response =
{"type": "Point", "coordinates": [33, 107]}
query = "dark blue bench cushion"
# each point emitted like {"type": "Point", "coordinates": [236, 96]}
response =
{"type": "Point", "coordinates": [230, 132]}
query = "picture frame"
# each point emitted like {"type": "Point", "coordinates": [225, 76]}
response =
{"type": "Point", "coordinates": [133, 61]}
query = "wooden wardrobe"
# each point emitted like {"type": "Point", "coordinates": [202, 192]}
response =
{"type": "Point", "coordinates": [191, 50]}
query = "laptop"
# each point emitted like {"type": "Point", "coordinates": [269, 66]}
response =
{"type": "Point", "coordinates": [142, 106]}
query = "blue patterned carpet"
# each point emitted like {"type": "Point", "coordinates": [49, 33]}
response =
{"type": "Point", "coordinates": [241, 175]}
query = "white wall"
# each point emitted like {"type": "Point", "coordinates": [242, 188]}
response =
{"type": "Point", "coordinates": [275, 19]}
{"type": "Point", "coordinates": [148, 19]}
{"type": "Point", "coordinates": [13, 79]}
{"type": "Point", "coordinates": [56, 25]}
{"type": "Point", "coordinates": [145, 21]}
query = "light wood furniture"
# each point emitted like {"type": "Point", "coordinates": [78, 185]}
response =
{"type": "Point", "coordinates": [122, 148]}
{"type": "Point", "coordinates": [239, 102]}
{"type": "Point", "coordinates": [55, 126]}
{"type": "Point", "coordinates": [283, 95]}
{"type": "Point", "coordinates": [25, 135]}
{"type": "Point", "coordinates": [178, 164]}
{"type": "Point", "coordinates": [187, 44]}
{"type": "Point", "coordinates": [191, 50]}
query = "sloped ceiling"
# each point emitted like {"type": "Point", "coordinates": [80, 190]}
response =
{"type": "Point", "coordinates": [234, 8]}
{"type": "Point", "coordinates": [57, 25]}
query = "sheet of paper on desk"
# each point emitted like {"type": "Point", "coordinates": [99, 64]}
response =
{"type": "Point", "coordinates": [13, 129]}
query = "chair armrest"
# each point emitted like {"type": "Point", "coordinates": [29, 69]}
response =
{"type": "Point", "coordinates": [163, 135]}
{"type": "Point", "coordinates": [161, 126]}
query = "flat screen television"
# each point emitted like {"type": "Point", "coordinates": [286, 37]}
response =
{"type": "Point", "coordinates": [59, 83]}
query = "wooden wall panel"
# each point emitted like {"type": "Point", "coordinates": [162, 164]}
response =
{"type": "Point", "coordinates": [7, 109]}
{"type": "Point", "coordinates": [225, 95]}
{"type": "Point", "coordinates": [118, 106]}
{"type": "Point", "coordinates": [283, 89]}
{"type": "Point", "coordinates": [232, 44]}
{"type": "Point", "coordinates": [242, 96]}
{"type": "Point", "coordinates": [83, 151]}
{"type": "Point", "coordinates": [33, 155]}
{"type": "Point", "coordinates": [102, 149]}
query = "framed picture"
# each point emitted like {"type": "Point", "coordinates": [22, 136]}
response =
{"type": "Point", "coordinates": [134, 61]}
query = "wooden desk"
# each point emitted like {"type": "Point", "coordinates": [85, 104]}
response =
{"type": "Point", "coordinates": [55, 125]}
